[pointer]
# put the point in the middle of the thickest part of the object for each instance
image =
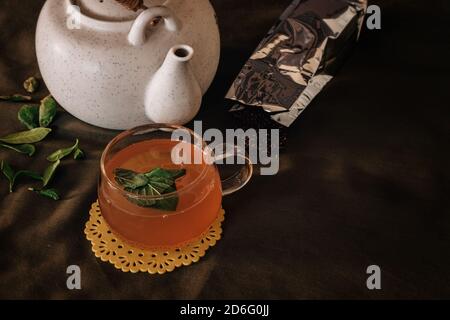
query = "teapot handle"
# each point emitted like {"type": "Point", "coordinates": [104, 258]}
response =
{"type": "Point", "coordinates": [238, 180]}
{"type": "Point", "coordinates": [137, 37]}
{"type": "Point", "coordinates": [241, 176]}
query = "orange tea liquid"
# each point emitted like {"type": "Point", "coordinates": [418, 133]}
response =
{"type": "Point", "coordinates": [200, 198]}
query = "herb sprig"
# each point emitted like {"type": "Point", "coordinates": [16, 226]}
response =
{"type": "Point", "coordinates": [37, 119]}
{"type": "Point", "coordinates": [156, 182]}
{"type": "Point", "coordinates": [12, 176]}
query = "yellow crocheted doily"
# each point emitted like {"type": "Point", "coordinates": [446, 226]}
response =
{"type": "Point", "coordinates": [127, 258]}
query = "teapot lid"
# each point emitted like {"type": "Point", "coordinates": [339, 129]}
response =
{"type": "Point", "coordinates": [114, 10]}
{"type": "Point", "coordinates": [134, 5]}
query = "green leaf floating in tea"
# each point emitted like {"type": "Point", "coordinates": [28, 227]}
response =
{"type": "Point", "coordinates": [8, 172]}
{"type": "Point", "coordinates": [153, 183]}
{"type": "Point", "coordinates": [78, 154]}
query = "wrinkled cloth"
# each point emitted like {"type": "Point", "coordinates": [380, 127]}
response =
{"type": "Point", "coordinates": [364, 179]}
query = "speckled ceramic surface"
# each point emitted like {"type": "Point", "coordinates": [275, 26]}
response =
{"type": "Point", "coordinates": [181, 103]}
{"type": "Point", "coordinates": [100, 76]}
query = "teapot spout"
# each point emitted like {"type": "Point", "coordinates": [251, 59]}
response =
{"type": "Point", "coordinates": [173, 95]}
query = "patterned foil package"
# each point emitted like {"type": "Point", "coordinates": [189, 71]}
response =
{"type": "Point", "coordinates": [297, 58]}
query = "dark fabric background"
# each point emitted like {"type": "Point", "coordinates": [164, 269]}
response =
{"type": "Point", "coordinates": [364, 179]}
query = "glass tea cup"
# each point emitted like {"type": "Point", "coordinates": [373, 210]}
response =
{"type": "Point", "coordinates": [145, 216]}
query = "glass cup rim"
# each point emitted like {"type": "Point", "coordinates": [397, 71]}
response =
{"type": "Point", "coordinates": [143, 129]}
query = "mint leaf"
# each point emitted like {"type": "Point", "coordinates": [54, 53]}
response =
{"type": "Point", "coordinates": [23, 137]}
{"type": "Point", "coordinates": [50, 172]}
{"type": "Point", "coordinates": [47, 111]}
{"type": "Point", "coordinates": [26, 173]}
{"type": "Point", "coordinates": [12, 177]}
{"type": "Point", "coordinates": [29, 116]}
{"type": "Point", "coordinates": [8, 172]}
{"type": "Point", "coordinates": [49, 193]}
{"type": "Point", "coordinates": [154, 183]}
{"type": "Point", "coordinates": [31, 85]}
{"type": "Point", "coordinates": [29, 174]}
{"type": "Point", "coordinates": [130, 179]}
{"type": "Point", "coordinates": [61, 153]}
{"type": "Point", "coordinates": [78, 154]}
{"type": "Point", "coordinates": [16, 98]}
{"type": "Point", "coordinates": [28, 149]}
{"type": "Point", "coordinates": [165, 173]}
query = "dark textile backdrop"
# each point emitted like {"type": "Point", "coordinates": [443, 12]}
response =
{"type": "Point", "coordinates": [364, 179]}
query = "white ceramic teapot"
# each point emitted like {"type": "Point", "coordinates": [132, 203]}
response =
{"type": "Point", "coordinates": [117, 69]}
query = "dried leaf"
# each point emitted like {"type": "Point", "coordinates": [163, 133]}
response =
{"type": "Point", "coordinates": [47, 111]}
{"type": "Point", "coordinates": [159, 182]}
{"type": "Point", "coordinates": [31, 84]}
